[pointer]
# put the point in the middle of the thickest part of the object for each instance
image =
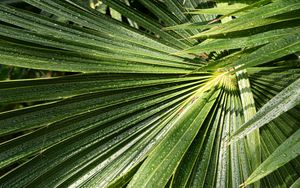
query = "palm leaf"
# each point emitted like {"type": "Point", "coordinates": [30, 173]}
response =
{"type": "Point", "coordinates": [283, 154]}
{"type": "Point", "coordinates": [147, 95]}
{"type": "Point", "coordinates": [282, 102]}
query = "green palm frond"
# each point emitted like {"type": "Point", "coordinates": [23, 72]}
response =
{"type": "Point", "coordinates": [150, 93]}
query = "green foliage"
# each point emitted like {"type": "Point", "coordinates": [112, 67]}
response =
{"type": "Point", "coordinates": [149, 93]}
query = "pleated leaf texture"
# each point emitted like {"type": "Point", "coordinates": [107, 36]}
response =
{"type": "Point", "coordinates": [150, 93]}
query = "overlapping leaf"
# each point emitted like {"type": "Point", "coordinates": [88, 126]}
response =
{"type": "Point", "coordinates": [135, 114]}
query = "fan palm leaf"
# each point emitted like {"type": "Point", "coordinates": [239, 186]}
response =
{"type": "Point", "coordinates": [183, 94]}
